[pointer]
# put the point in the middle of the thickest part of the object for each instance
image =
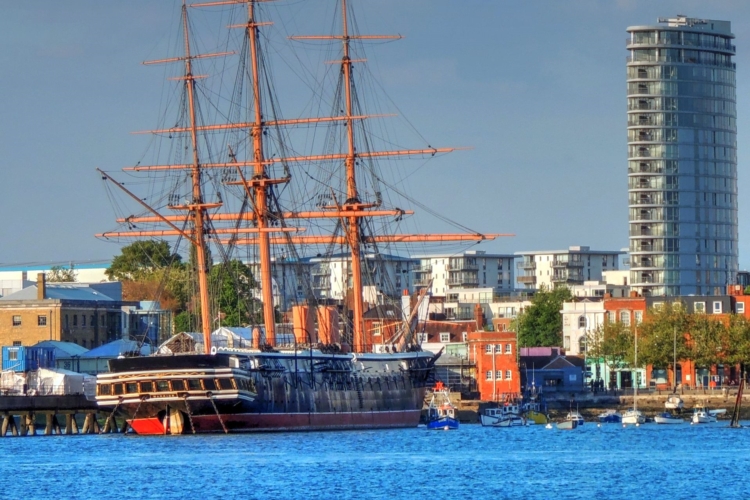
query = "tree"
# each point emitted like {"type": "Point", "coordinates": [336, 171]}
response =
{"type": "Point", "coordinates": [60, 274]}
{"type": "Point", "coordinates": [736, 345]}
{"type": "Point", "coordinates": [140, 259]}
{"type": "Point", "coordinates": [612, 342]}
{"type": "Point", "coordinates": [661, 334]}
{"type": "Point", "coordinates": [541, 323]}
{"type": "Point", "coordinates": [233, 284]}
{"type": "Point", "coordinates": [706, 336]}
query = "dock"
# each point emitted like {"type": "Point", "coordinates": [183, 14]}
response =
{"type": "Point", "coordinates": [55, 415]}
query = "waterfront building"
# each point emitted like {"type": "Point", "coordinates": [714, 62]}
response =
{"type": "Point", "coordinates": [87, 314]}
{"type": "Point", "coordinates": [470, 269]}
{"type": "Point", "coordinates": [17, 277]}
{"type": "Point", "coordinates": [548, 369]}
{"type": "Point", "coordinates": [581, 319]}
{"type": "Point", "coordinates": [551, 268]}
{"type": "Point", "coordinates": [495, 355]}
{"type": "Point", "coordinates": [599, 289]}
{"type": "Point", "coordinates": [682, 157]}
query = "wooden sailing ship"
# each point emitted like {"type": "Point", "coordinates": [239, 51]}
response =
{"type": "Point", "coordinates": [311, 384]}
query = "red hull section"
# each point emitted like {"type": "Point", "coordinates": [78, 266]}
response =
{"type": "Point", "coordinates": [147, 426]}
{"type": "Point", "coordinates": [280, 422]}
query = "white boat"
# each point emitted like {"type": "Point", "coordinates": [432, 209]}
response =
{"type": "Point", "coordinates": [567, 425]}
{"type": "Point", "coordinates": [610, 417]}
{"type": "Point", "coordinates": [668, 418]}
{"type": "Point", "coordinates": [507, 415]}
{"type": "Point", "coordinates": [674, 402]}
{"type": "Point", "coordinates": [702, 415]}
{"type": "Point", "coordinates": [633, 417]}
{"type": "Point", "coordinates": [575, 417]}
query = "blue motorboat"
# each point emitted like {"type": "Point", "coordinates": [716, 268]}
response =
{"type": "Point", "coordinates": [610, 417]}
{"type": "Point", "coordinates": [441, 414]}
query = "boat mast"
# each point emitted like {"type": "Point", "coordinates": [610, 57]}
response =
{"type": "Point", "coordinates": [259, 185]}
{"type": "Point", "coordinates": [353, 233]}
{"type": "Point", "coordinates": [197, 208]}
{"type": "Point", "coordinates": [635, 394]}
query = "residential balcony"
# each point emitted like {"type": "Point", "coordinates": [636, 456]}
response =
{"type": "Point", "coordinates": [527, 280]}
{"type": "Point", "coordinates": [422, 281]}
{"type": "Point", "coordinates": [463, 265]}
{"type": "Point", "coordinates": [422, 269]}
{"type": "Point", "coordinates": [463, 279]}
{"type": "Point", "coordinates": [567, 262]}
{"type": "Point", "coordinates": [705, 44]}
{"type": "Point", "coordinates": [567, 278]}
{"type": "Point", "coordinates": [321, 270]}
{"type": "Point", "coordinates": [526, 264]}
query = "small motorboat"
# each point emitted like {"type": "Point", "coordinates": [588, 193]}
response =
{"type": "Point", "coordinates": [674, 402]}
{"type": "Point", "coordinates": [506, 415]}
{"type": "Point", "coordinates": [441, 414]}
{"type": "Point", "coordinates": [633, 417]}
{"type": "Point", "coordinates": [668, 418]}
{"type": "Point", "coordinates": [574, 416]}
{"type": "Point", "coordinates": [567, 425]}
{"type": "Point", "coordinates": [532, 412]}
{"type": "Point", "coordinates": [610, 417]}
{"type": "Point", "coordinates": [703, 415]}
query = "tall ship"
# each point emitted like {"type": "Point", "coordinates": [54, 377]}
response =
{"type": "Point", "coordinates": [239, 177]}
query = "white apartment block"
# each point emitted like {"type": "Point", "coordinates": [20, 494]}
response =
{"type": "Point", "coordinates": [564, 267]}
{"type": "Point", "coordinates": [599, 289]}
{"type": "Point", "coordinates": [383, 275]}
{"type": "Point", "coordinates": [581, 320]}
{"type": "Point", "coordinates": [470, 269]}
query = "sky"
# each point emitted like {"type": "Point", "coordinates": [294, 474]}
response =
{"type": "Point", "coordinates": [535, 89]}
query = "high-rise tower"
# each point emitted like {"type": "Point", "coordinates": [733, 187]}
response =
{"type": "Point", "coordinates": [682, 157]}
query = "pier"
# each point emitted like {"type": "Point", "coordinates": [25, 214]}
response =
{"type": "Point", "coordinates": [55, 415]}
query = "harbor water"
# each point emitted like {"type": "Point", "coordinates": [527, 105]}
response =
{"type": "Point", "coordinates": [685, 461]}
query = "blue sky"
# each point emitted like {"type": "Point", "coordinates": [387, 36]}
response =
{"type": "Point", "coordinates": [535, 88]}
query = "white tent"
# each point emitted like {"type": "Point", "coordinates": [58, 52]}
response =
{"type": "Point", "coordinates": [12, 382]}
{"type": "Point", "coordinates": [59, 382]}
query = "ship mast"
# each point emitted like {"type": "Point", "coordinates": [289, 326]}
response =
{"type": "Point", "coordinates": [197, 208]}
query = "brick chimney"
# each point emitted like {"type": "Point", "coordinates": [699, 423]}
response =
{"type": "Point", "coordinates": [479, 316]}
{"type": "Point", "coordinates": [41, 287]}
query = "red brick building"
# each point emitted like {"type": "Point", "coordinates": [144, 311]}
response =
{"type": "Point", "coordinates": [496, 357]}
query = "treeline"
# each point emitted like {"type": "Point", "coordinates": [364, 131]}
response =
{"type": "Point", "coordinates": [149, 270]}
{"type": "Point", "coordinates": [668, 331]}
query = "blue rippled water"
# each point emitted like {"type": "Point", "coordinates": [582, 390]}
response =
{"type": "Point", "coordinates": [707, 461]}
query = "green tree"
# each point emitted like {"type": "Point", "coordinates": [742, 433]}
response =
{"type": "Point", "coordinates": [141, 259]}
{"type": "Point", "coordinates": [706, 337]}
{"type": "Point", "coordinates": [232, 285]}
{"type": "Point", "coordinates": [540, 325]}
{"type": "Point", "coordinates": [612, 343]}
{"type": "Point", "coordinates": [661, 333]}
{"type": "Point", "coordinates": [736, 345]}
{"type": "Point", "coordinates": [60, 274]}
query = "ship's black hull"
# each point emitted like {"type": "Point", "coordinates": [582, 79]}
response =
{"type": "Point", "coordinates": [266, 392]}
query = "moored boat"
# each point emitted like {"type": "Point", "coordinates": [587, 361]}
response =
{"type": "Point", "coordinates": [633, 416]}
{"type": "Point", "coordinates": [574, 416]}
{"type": "Point", "coordinates": [567, 425]}
{"type": "Point", "coordinates": [610, 417]}
{"type": "Point", "coordinates": [668, 418]}
{"type": "Point", "coordinates": [504, 415]}
{"type": "Point", "coordinates": [674, 402]}
{"type": "Point", "coordinates": [441, 414]}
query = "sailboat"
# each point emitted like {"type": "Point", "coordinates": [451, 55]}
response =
{"type": "Point", "coordinates": [634, 416]}
{"type": "Point", "coordinates": [329, 376]}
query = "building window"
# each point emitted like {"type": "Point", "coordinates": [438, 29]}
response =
{"type": "Point", "coordinates": [700, 307]}
{"type": "Point", "coordinates": [499, 375]}
{"type": "Point", "coordinates": [717, 307]}
{"type": "Point", "coordinates": [41, 320]}
{"type": "Point", "coordinates": [376, 329]}
{"type": "Point", "coordinates": [83, 320]}
{"type": "Point", "coordinates": [75, 320]}
{"type": "Point", "coordinates": [638, 317]}
{"type": "Point", "coordinates": [508, 349]}
{"type": "Point", "coordinates": [488, 349]}
{"type": "Point", "coordinates": [508, 375]}
{"type": "Point", "coordinates": [464, 336]}
{"type": "Point", "coordinates": [445, 337]}
{"type": "Point", "coordinates": [625, 318]}
{"type": "Point", "coordinates": [499, 349]}
{"type": "Point", "coordinates": [581, 322]}
{"type": "Point", "coordinates": [17, 343]}
{"type": "Point", "coordinates": [422, 338]}
{"type": "Point", "coordinates": [16, 320]}
{"type": "Point", "coordinates": [740, 308]}
{"type": "Point", "coordinates": [611, 317]}
{"type": "Point", "coordinates": [489, 375]}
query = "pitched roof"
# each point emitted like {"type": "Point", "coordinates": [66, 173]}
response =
{"type": "Point", "coordinates": [558, 363]}
{"type": "Point", "coordinates": [63, 349]}
{"type": "Point", "coordinates": [60, 292]}
{"type": "Point", "coordinates": [116, 348]}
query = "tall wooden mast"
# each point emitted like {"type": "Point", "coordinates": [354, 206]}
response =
{"type": "Point", "coordinates": [197, 208]}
